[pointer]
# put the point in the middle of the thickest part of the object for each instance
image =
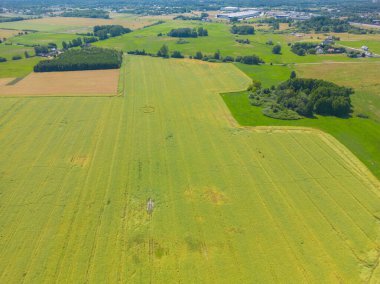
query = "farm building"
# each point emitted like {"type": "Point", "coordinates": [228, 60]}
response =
{"type": "Point", "coordinates": [240, 15]}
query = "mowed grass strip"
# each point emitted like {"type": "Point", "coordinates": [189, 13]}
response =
{"type": "Point", "coordinates": [232, 204]}
{"type": "Point", "coordinates": [71, 83]}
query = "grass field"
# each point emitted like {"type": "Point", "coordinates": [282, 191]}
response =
{"type": "Point", "coordinates": [219, 38]}
{"type": "Point", "coordinates": [232, 204]}
{"type": "Point", "coordinates": [42, 38]}
{"type": "Point", "coordinates": [7, 51]}
{"type": "Point", "coordinates": [72, 83]}
{"type": "Point", "coordinates": [18, 68]}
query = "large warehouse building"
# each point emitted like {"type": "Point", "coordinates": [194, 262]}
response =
{"type": "Point", "coordinates": [240, 15]}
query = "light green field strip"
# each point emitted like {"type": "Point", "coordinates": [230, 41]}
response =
{"type": "Point", "coordinates": [232, 204]}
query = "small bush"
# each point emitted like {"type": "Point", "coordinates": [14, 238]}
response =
{"type": "Point", "coordinates": [278, 112]}
{"type": "Point", "coordinates": [16, 57]}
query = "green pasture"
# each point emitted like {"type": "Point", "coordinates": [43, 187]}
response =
{"type": "Point", "coordinates": [231, 204]}
{"type": "Point", "coordinates": [374, 45]}
{"type": "Point", "coordinates": [219, 38]}
{"type": "Point", "coordinates": [8, 51]}
{"type": "Point", "coordinates": [360, 135]}
{"type": "Point", "coordinates": [42, 38]}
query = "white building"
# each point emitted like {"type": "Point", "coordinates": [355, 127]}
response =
{"type": "Point", "coordinates": [230, 9]}
{"type": "Point", "coordinates": [240, 15]}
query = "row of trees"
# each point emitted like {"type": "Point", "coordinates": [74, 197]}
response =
{"type": "Point", "coordinates": [216, 57]}
{"type": "Point", "coordinates": [87, 13]}
{"type": "Point", "coordinates": [243, 30]}
{"type": "Point", "coordinates": [11, 19]}
{"type": "Point", "coordinates": [324, 24]}
{"type": "Point", "coordinates": [91, 58]}
{"type": "Point", "coordinates": [187, 32]}
{"type": "Point", "coordinates": [192, 18]}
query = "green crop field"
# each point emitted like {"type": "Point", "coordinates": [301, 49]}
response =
{"type": "Point", "coordinates": [231, 204]}
{"type": "Point", "coordinates": [18, 68]}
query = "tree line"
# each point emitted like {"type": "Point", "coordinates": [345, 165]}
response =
{"type": "Point", "coordinates": [188, 32]}
{"type": "Point", "coordinates": [87, 13]}
{"type": "Point", "coordinates": [88, 58]}
{"type": "Point", "coordinates": [243, 30]}
{"type": "Point", "coordinates": [216, 57]}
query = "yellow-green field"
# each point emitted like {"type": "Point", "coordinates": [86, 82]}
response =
{"type": "Point", "coordinates": [232, 204]}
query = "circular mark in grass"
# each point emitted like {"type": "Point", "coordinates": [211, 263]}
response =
{"type": "Point", "coordinates": [148, 109]}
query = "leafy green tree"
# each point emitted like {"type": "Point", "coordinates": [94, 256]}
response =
{"type": "Point", "coordinates": [198, 55]}
{"type": "Point", "coordinates": [293, 75]}
{"type": "Point", "coordinates": [177, 54]}
{"type": "Point", "coordinates": [217, 55]}
{"type": "Point", "coordinates": [276, 49]}
{"type": "Point", "coordinates": [163, 52]}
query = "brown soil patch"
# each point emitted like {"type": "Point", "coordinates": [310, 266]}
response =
{"type": "Point", "coordinates": [79, 161]}
{"type": "Point", "coordinates": [214, 196]}
{"type": "Point", "coordinates": [4, 33]}
{"type": "Point", "coordinates": [72, 83]}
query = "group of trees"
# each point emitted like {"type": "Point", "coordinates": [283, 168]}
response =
{"type": "Point", "coordinates": [162, 52]}
{"type": "Point", "coordinates": [188, 32]}
{"type": "Point", "coordinates": [106, 31]}
{"type": "Point", "coordinates": [243, 41]}
{"type": "Point", "coordinates": [87, 13]}
{"type": "Point", "coordinates": [324, 24]}
{"type": "Point", "coordinates": [304, 97]}
{"type": "Point", "coordinates": [217, 57]}
{"type": "Point", "coordinates": [243, 30]}
{"type": "Point", "coordinates": [91, 58]}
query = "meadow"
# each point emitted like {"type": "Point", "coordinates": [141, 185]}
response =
{"type": "Point", "coordinates": [42, 38]}
{"type": "Point", "coordinates": [232, 204]}
{"type": "Point", "coordinates": [219, 38]}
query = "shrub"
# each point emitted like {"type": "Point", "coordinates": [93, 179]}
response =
{"type": "Point", "coordinates": [278, 112]}
{"type": "Point", "coordinates": [163, 52]}
{"type": "Point", "coordinates": [198, 55]}
{"type": "Point", "coordinates": [2, 59]}
{"type": "Point", "coordinates": [16, 57]}
{"type": "Point", "coordinates": [276, 49]}
{"type": "Point", "coordinates": [177, 54]}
